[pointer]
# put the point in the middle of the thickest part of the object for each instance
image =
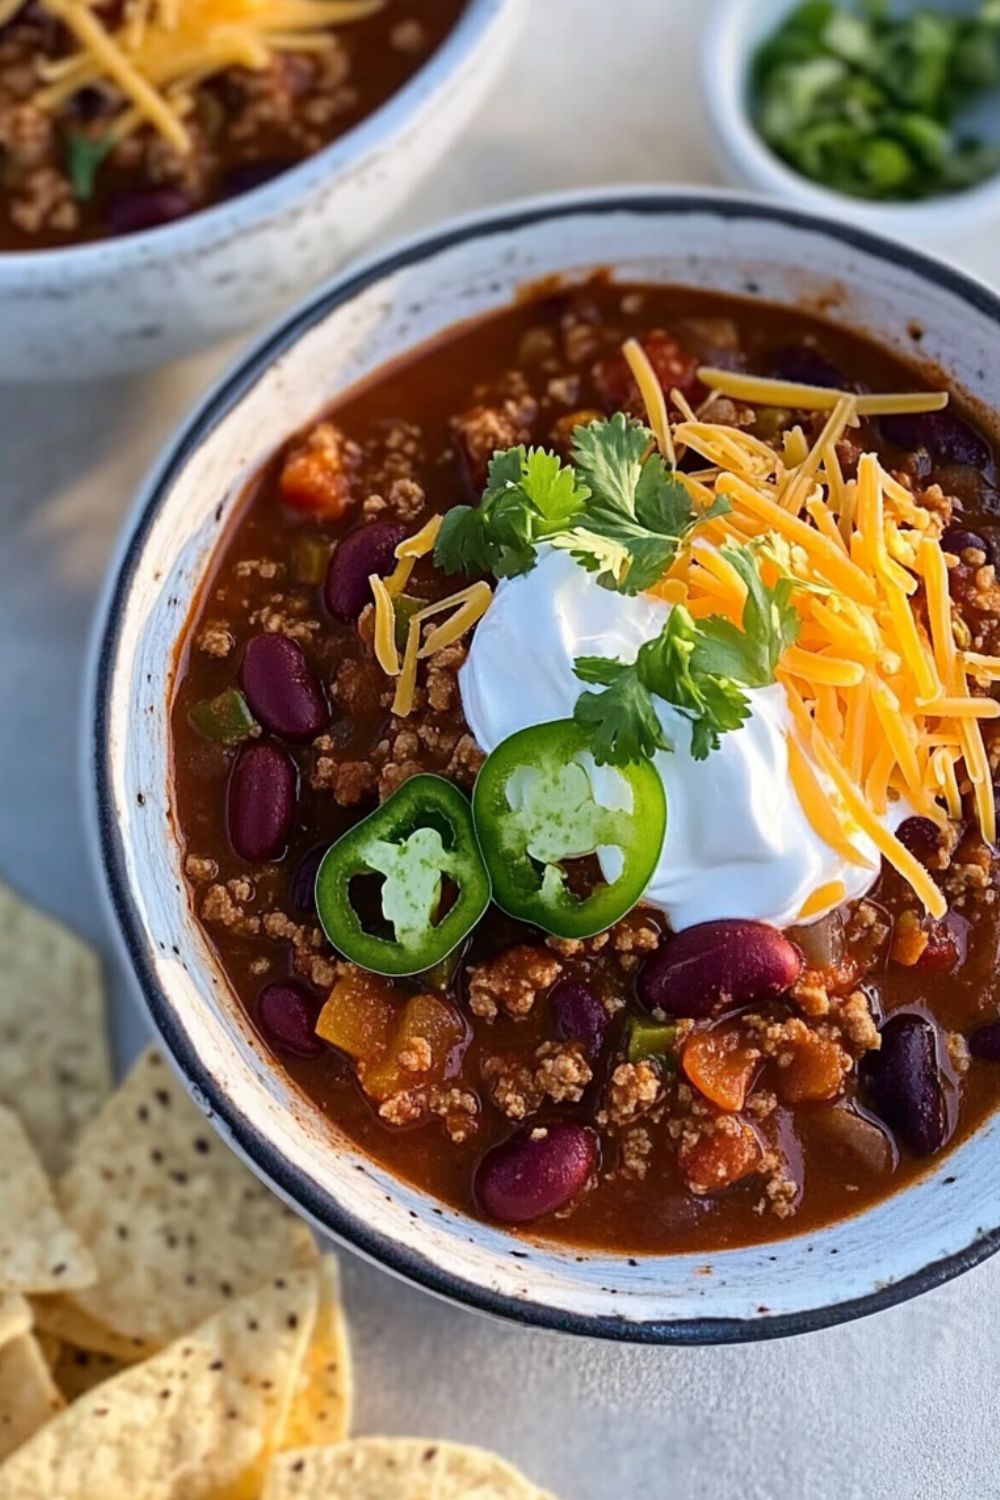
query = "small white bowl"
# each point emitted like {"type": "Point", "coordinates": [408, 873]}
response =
{"type": "Point", "coordinates": [939, 1225]}
{"type": "Point", "coordinates": [131, 302]}
{"type": "Point", "coordinates": [733, 31]}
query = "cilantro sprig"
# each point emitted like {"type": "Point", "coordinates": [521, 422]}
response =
{"type": "Point", "coordinates": [529, 497]}
{"type": "Point", "coordinates": [701, 667]}
{"type": "Point", "coordinates": [617, 509]}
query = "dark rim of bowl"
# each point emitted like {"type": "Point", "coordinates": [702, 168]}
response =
{"type": "Point", "coordinates": [294, 1185]}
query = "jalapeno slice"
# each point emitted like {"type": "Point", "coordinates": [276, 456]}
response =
{"type": "Point", "coordinates": [540, 801]}
{"type": "Point", "coordinates": [421, 837]}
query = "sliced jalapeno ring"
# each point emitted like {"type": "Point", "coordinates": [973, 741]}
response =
{"type": "Point", "coordinates": [536, 807]}
{"type": "Point", "coordinates": [421, 837]}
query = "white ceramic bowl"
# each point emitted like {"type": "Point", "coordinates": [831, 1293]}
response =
{"type": "Point", "coordinates": [943, 1223]}
{"type": "Point", "coordinates": [131, 302]}
{"type": "Point", "coordinates": [734, 29]}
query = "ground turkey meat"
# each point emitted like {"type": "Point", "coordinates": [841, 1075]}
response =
{"type": "Point", "coordinates": [511, 981]}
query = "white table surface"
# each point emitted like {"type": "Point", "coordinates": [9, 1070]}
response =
{"type": "Point", "coordinates": [898, 1407]}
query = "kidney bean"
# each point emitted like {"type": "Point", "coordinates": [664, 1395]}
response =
{"type": "Point", "coordinates": [261, 801]}
{"type": "Point", "coordinates": [287, 1016]}
{"type": "Point", "coordinates": [719, 965]}
{"type": "Point", "coordinates": [946, 437]}
{"type": "Point", "coordinates": [578, 1016]}
{"type": "Point", "coordinates": [370, 549]}
{"type": "Point", "coordinates": [147, 208]}
{"type": "Point", "coordinates": [985, 1042]}
{"type": "Point", "coordinates": [957, 540]}
{"type": "Point", "coordinates": [904, 1081]}
{"type": "Point", "coordinates": [282, 689]}
{"type": "Point", "coordinates": [807, 365]}
{"type": "Point", "coordinates": [304, 879]}
{"type": "Point", "coordinates": [536, 1171]}
{"type": "Point", "coordinates": [921, 837]}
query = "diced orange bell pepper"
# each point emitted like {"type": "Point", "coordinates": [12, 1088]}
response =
{"type": "Point", "coordinates": [429, 1029]}
{"type": "Point", "coordinates": [720, 1064]}
{"type": "Point", "coordinates": [359, 1016]}
{"type": "Point", "coordinates": [816, 1071]}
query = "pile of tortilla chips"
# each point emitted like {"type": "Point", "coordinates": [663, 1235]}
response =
{"type": "Point", "coordinates": [168, 1330]}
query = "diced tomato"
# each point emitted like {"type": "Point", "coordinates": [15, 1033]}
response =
{"type": "Point", "coordinates": [721, 1157]}
{"type": "Point", "coordinates": [673, 365]}
{"type": "Point", "coordinates": [720, 1064]}
{"type": "Point", "coordinates": [816, 1071]}
{"type": "Point", "coordinates": [317, 476]}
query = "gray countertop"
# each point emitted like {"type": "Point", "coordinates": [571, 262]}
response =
{"type": "Point", "coordinates": [901, 1405]}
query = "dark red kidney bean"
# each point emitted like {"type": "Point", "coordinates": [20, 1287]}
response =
{"type": "Point", "coordinates": [282, 689]}
{"type": "Point", "coordinates": [536, 1171]}
{"type": "Point", "coordinates": [808, 365]}
{"type": "Point", "coordinates": [957, 540]}
{"type": "Point", "coordinates": [287, 1016]}
{"type": "Point", "coordinates": [719, 965]}
{"type": "Point", "coordinates": [261, 802]}
{"type": "Point", "coordinates": [578, 1016]}
{"type": "Point", "coordinates": [904, 1082]}
{"type": "Point", "coordinates": [370, 549]}
{"type": "Point", "coordinates": [921, 837]}
{"type": "Point", "coordinates": [253, 174]}
{"type": "Point", "coordinates": [946, 437]}
{"type": "Point", "coordinates": [147, 208]}
{"type": "Point", "coordinates": [304, 879]}
{"type": "Point", "coordinates": [985, 1042]}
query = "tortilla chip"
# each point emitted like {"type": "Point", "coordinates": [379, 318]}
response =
{"type": "Point", "coordinates": [54, 1064]}
{"type": "Point", "coordinates": [28, 1395]}
{"type": "Point", "coordinates": [58, 1318]}
{"type": "Point", "coordinates": [177, 1225]}
{"type": "Point", "coordinates": [195, 1422]}
{"type": "Point", "coordinates": [38, 1252]}
{"type": "Point", "coordinates": [15, 1316]}
{"type": "Point", "coordinates": [321, 1407]}
{"type": "Point", "coordinates": [395, 1469]}
{"type": "Point", "coordinates": [77, 1371]}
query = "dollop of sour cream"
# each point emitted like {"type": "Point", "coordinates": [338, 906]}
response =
{"type": "Point", "coordinates": [738, 843]}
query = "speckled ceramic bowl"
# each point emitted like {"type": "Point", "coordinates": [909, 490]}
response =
{"type": "Point", "coordinates": [128, 303]}
{"type": "Point", "coordinates": [948, 1220]}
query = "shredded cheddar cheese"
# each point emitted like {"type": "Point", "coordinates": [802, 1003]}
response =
{"type": "Point", "coordinates": [463, 610]}
{"type": "Point", "coordinates": [877, 682]}
{"type": "Point", "coordinates": [164, 49]}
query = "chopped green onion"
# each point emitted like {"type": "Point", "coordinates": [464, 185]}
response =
{"type": "Point", "coordinates": [866, 102]}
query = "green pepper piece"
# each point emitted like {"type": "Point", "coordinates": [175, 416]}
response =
{"type": "Point", "coordinates": [645, 1038]}
{"type": "Point", "coordinates": [420, 836]}
{"type": "Point", "coordinates": [310, 556]}
{"type": "Point", "coordinates": [406, 608]}
{"type": "Point", "coordinates": [535, 806]}
{"type": "Point", "coordinates": [440, 976]}
{"type": "Point", "coordinates": [226, 719]}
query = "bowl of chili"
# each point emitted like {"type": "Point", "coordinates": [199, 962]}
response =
{"type": "Point", "coordinates": [521, 1109]}
{"type": "Point", "coordinates": [174, 173]}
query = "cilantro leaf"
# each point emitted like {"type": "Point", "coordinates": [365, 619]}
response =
{"type": "Point", "coordinates": [84, 157]}
{"type": "Point", "coordinates": [750, 652]}
{"type": "Point", "coordinates": [637, 512]}
{"type": "Point", "coordinates": [623, 719]}
{"type": "Point", "coordinates": [529, 496]}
